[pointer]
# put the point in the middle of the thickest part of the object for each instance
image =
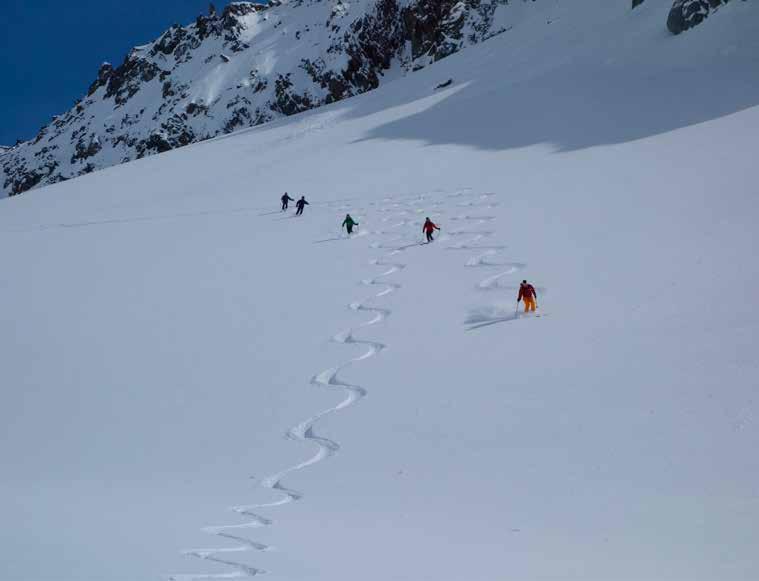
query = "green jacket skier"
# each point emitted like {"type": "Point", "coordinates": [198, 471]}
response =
{"type": "Point", "coordinates": [349, 223]}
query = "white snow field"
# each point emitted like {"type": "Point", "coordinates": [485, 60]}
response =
{"type": "Point", "coordinates": [163, 326]}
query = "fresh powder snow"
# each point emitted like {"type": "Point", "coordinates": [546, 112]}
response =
{"type": "Point", "coordinates": [197, 385]}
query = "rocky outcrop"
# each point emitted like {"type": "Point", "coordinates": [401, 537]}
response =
{"type": "Point", "coordinates": [243, 66]}
{"type": "Point", "coordinates": [686, 14]}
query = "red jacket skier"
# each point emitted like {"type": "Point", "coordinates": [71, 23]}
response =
{"type": "Point", "coordinates": [428, 228]}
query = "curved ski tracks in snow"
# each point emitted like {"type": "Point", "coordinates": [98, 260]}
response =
{"type": "Point", "coordinates": [485, 258]}
{"type": "Point", "coordinates": [487, 252]}
{"type": "Point", "coordinates": [406, 213]}
{"type": "Point", "coordinates": [302, 432]}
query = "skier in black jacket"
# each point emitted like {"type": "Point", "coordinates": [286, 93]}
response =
{"type": "Point", "coordinates": [286, 199]}
{"type": "Point", "coordinates": [300, 204]}
{"type": "Point", "coordinates": [349, 223]}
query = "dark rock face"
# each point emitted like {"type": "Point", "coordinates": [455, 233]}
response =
{"type": "Point", "coordinates": [104, 75]}
{"type": "Point", "coordinates": [125, 81]}
{"type": "Point", "coordinates": [686, 14]}
{"type": "Point", "coordinates": [438, 28]}
{"type": "Point", "coordinates": [288, 101]}
{"type": "Point", "coordinates": [156, 143]}
{"type": "Point", "coordinates": [19, 182]}
{"type": "Point", "coordinates": [86, 147]}
{"type": "Point", "coordinates": [215, 76]}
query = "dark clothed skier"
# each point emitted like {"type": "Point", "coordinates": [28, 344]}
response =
{"type": "Point", "coordinates": [428, 228]}
{"type": "Point", "coordinates": [286, 199]}
{"type": "Point", "coordinates": [300, 204]}
{"type": "Point", "coordinates": [349, 223]}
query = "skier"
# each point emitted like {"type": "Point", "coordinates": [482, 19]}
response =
{"type": "Point", "coordinates": [527, 292]}
{"type": "Point", "coordinates": [428, 228]}
{"type": "Point", "coordinates": [349, 223]}
{"type": "Point", "coordinates": [300, 204]}
{"type": "Point", "coordinates": [286, 199]}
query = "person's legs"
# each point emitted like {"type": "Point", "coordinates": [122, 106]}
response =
{"type": "Point", "coordinates": [429, 237]}
{"type": "Point", "coordinates": [350, 230]}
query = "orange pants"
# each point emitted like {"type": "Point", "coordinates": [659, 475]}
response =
{"type": "Point", "coordinates": [529, 305]}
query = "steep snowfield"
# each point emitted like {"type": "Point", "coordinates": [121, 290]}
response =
{"type": "Point", "coordinates": [164, 326]}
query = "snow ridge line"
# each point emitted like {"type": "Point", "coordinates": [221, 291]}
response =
{"type": "Point", "coordinates": [303, 432]}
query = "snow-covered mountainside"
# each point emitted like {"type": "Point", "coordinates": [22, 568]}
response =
{"type": "Point", "coordinates": [252, 63]}
{"type": "Point", "coordinates": [164, 326]}
{"type": "Point", "coordinates": [245, 66]}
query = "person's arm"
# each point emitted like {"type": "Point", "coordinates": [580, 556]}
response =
{"type": "Point", "coordinates": [519, 298]}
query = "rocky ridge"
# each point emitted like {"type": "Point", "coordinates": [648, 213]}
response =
{"type": "Point", "coordinates": [686, 14]}
{"type": "Point", "coordinates": [249, 64]}
{"type": "Point", "coordinates": [243, 66]}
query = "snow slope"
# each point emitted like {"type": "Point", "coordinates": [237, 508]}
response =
{"type": "Point", "coordinates": [164, 327]}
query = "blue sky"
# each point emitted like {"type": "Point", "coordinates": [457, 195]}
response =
{"type": "Point", "coordinates": [50, 51]}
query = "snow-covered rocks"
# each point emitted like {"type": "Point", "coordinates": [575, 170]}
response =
{"type": "Point", "coordinates": [249, 64]}
{"type": "Point", "coordinates": [253, 63]}
{"type": "Point", "coordinates": [686, 14]}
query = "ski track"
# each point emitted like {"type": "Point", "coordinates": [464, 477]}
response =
{"type": "Point", "coordinates": [486, 258]}
{"type": "Point", "coordinates": [326, 379]}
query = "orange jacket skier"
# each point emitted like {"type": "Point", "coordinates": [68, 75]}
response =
{"type": "Point", "coordinates": [527, 292]}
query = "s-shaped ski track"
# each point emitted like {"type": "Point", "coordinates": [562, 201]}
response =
{"type": "Point", "coordinates": [302, 432]}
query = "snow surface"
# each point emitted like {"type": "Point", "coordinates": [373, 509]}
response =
{"type": "Point", "coordinates": [165, 325]}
